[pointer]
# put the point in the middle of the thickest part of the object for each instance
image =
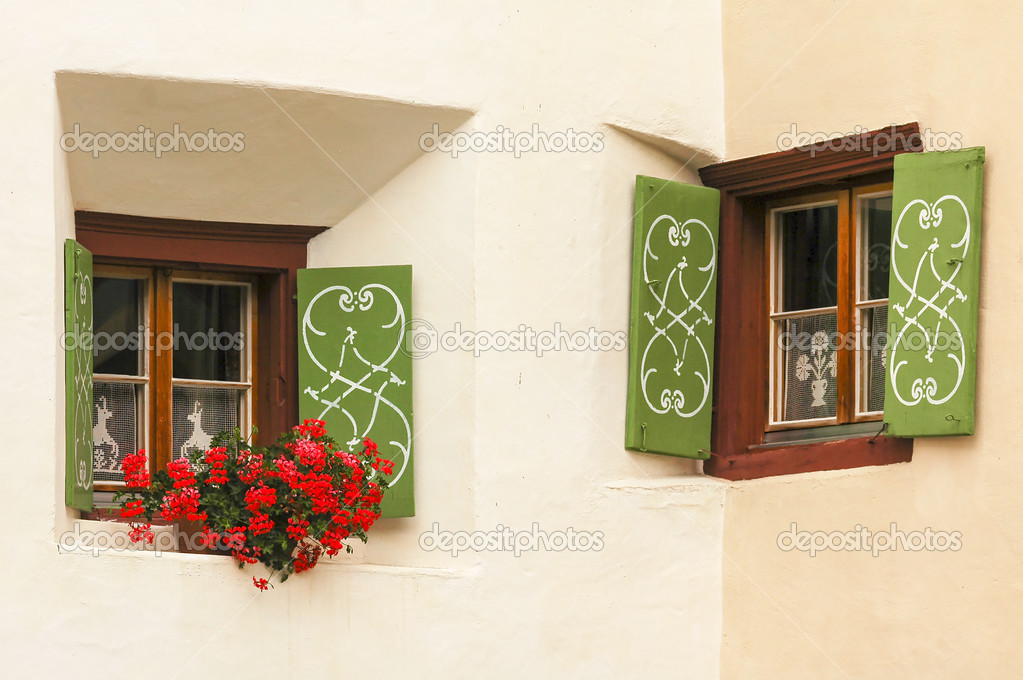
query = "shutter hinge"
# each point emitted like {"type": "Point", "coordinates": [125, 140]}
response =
{"type": "Point", "coordinates": [884, 426]}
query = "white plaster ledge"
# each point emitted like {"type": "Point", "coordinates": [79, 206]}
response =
{"type": "Point", "coordinates": [667, 142]}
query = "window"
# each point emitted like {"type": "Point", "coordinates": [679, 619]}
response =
{"type": "Point", "coordinates": [801, 254]}
{"type": "Point", "coordinates": [196, 332]}
{"type": "Point", "coordinates": [214, 308]}
{"type": "Point", "coordinates": [173, 363]}
{"type": "Point", "coordinates": [828, 299]}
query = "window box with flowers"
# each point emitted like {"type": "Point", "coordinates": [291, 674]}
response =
{"type": "Point", "coordinates": [284, 506]}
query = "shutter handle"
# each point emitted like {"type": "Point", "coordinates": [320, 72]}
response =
{"type": "Point", "coordinates": [642, 445]}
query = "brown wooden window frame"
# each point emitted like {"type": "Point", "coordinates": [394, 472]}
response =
{"type": "Point", "coordinates": [158, 378]}
{"type": "Point", "coordinates": [266, 256]}
{"type": "Point", "coordinates": [740, 449]}
{"type": "Point", "coordinates": [849, 304]}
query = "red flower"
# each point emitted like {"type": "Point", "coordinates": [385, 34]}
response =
{"type": "Point", "coordinates": [287, 471]}
{"type": "Point", "coordinates": [311, 454]}
{"type": "Point", "coordinates": [260, 497]}
{"type": "Point", "coordinates": [383, 465]}
{"type": "Point", "coordinates": [311, 428]}
{"type": "Point", "coordinates": [132, 509]}
{"type": "Point", "coordinates": [216, 458]}
{"type": "Point", "coordinates": [182, 504]}
{"type": "Point", "coordinates": [181, 472]}
{"type": "Point", "coordinates": [139, 532]}
{"type": "Point", "coordinates": [323, 499]}
{"type": "Point", "coordinates": [235, 538]}
{"type": "Point", "coordinates": [209, 537]}
{"type": "Point", "coordinates": [297, 528]}
{"type": "Point", "coordinates": [136, 476]}
{"type": "Point", "coordinates": [307, 558]}
{"type": "Point", "coordinates": [251, 467]}
{"type": "Point", "coordinates": [260, 524]}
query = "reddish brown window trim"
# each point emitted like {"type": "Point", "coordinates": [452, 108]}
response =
{"type": "Point", "coordinates": [274, 253]}
{"type": "Point", "coordinates": [740, 379]}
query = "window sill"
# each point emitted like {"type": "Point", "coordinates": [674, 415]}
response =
{"type": "Point", "coordinates": [774, 460]}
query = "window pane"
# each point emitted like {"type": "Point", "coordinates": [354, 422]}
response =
{"type": "Point", "coordinates": [876, 216]}
{"type": "Point", "coordinates": [115, 408]}
{"type": "Point", "coordinates": [201, 413]}
{"type": "Point", "coordinates": [809, 258]}
{"type": "Point", "coordinates": [810, 365]}
{"type": "Point", "coordinates": [116, 345]}
{"type": "Point", "coordinates": [875, 321]}
{"type": "Point", "coordinates": [208, 339]}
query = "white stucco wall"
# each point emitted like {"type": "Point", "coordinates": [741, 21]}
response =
{"type": "Point", "coordinates": [496, 241]}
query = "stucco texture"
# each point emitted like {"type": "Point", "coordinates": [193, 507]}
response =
{"type": "Point", "coordinates": [495, 241]}
{"type": "Point", "coordinates": [830, 67]}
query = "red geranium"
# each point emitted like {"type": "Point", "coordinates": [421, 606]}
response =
{"type": "Point", "coordinates": [285, 506]}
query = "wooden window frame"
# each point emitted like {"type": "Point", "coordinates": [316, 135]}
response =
{"type": "Point", "coordinates": [145, 437]}
{"type": "Point", "coordinates": [268, 255]}
{"type": "Point", "coordinates": [860, 303]}
{"type": "Point", "coordinates": [848, 304]}
{"type": "Point", "coordinates": [741, 389]}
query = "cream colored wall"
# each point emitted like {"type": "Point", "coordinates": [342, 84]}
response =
{"type": "Point", "coordinates": [508, 438]}
{"type": "Point", "coordinates": [954, 68]}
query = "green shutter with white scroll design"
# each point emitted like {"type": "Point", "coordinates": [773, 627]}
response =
{"type": "Point", "coordinates": [77, 376]}
{"type": "Point", "coordinates": [933, 284]}
{"type": "Point", "coordinates": [671, 337]}
{"type": "Point", "coordinates": [354, 369]}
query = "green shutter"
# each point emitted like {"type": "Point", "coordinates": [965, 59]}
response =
{"type": "Point", "coordinates": [932, 293]}
{"type": "Point", "coordinates": [77, 375]}
{"type": "Point", "coordinates": [671, 337]}
{"type": "Point", "coordinates": [353, 372]}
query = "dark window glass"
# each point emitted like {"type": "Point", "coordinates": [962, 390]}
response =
{"type": "Point", "coordinates": [117, 343]}
{"type": "Point", "coordinates": [208, 338]}
{"type": "Point", "coordinates": [809, 258]}
{"type": "Point", "coordinates": [877, 219]}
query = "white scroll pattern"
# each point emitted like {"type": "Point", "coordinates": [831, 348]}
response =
{"type": "Point", "coordinates": [928, 315]}
{"type": "Point", "coordinates": [677, 319]}
{"type": "Point", "coordinates": [345, 380]}
{"type": "Point", "coordinates": [83, 379]}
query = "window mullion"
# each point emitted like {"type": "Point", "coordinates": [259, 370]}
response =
{"type": "Point", "coordinates": [846, 306]}
{"type": "Point", "coordinates": [163, 367]}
